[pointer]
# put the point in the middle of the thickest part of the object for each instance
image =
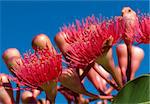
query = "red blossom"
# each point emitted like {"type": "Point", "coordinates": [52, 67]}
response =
{"type": "Point", "coordinates": [144, 24]}
{"type": "Point", "coordinates": [129, 24]}
{"type": "Point", "coordinates": [90, 39]}
{"type": "Point", "coordinates": [38, 68]}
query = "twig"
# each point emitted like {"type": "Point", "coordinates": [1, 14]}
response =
{"type": "Point", "coordinates": [69, 101]}
{"type": "Point", "coordinates": [48, 100]}
{"type": "Point", "coordinates": [101, 97]}
{"type": "Point", "coordinates": [124, 77]}
{"type": "Point", "coordinates": [128, 71]}
{"type": "Point", "coordinates": [68, 94]}
{"type": "Point", "coordinates": [108, 81]}
{"type": "Point", "coordinates": [109, 90]}
{"type": "Point", "coordinates": [86, 70]}
{"type": "Point", "coordinates": [18, 95]}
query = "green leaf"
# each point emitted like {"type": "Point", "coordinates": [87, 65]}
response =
{"type": "Point", "coordinates": [136, 91]}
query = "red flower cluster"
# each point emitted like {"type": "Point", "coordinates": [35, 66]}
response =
{"type": "Point", "coordinates": [89, 40]}
{"type": "Point", "coordinates": [144, 24]}
{"type": "Point", "coordinates": [39, 67]}
{"type": "Point", "coordinates": [84, 45]}
{"type": "Point", "coordinates": [134, 27]}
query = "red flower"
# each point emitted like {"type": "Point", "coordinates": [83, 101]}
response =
{"type": "Point", "coordinates": [89, 40]}
{"type": "Point", "coordinates": [144, 35]}
{"type": "Point", "coordinates": [129, 25]}
{"type": "Point", "coordinates": [38, 68]}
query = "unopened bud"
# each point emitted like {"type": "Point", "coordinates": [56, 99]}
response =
{"type": "Point", "coordinates": [42, 41]}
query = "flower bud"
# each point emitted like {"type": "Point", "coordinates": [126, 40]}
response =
{"type": "Point", "coordinates": [130, 24]}
{"type": "Point", "coordinates": [12, 58]}
{"type": "Point", "coordinates": [42, 41]}
{"type": "Point", "coordinates": [97, 80]}
{"type": "Point", "coordinates": [107, 62]}
{"type": "Point", "coordinates": [61, 42]}
{"type": "Point", "coordinates": [70, 79]}
{"type": "Point", "coordinates": [36, 92]}
{"type": "Point", "coordinates": [27, 98]}
{"type": "Point", "coordinates": [122, 59]}
{"type": "Point", "coordinates": [137, 56]}
{"type": "Point", "coordinates": [6, 93]}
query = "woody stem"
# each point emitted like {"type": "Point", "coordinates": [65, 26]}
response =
{"type": "Point", "coordinates": [18, 95]}
{"type": "Point", "coordinates": [109, 97]}
{"type": "Point", "coordinates": [86, 70]}
{"type": "Point", "coordinates": [128, 71]}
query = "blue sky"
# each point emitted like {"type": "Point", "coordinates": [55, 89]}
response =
{"type": "Point", "coordinates": [21, 21]}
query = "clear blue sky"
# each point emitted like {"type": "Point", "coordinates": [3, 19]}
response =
{"type": "Point", "coordinates": [21, 21]}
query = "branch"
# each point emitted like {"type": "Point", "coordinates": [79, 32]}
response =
{"type": "Point", "coordinates": [128, 71]}
{"type": "Point", "coordinates": [86, 70]}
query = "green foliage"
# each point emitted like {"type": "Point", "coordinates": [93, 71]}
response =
{"type": "Point", "coordinates": [136, 91]}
